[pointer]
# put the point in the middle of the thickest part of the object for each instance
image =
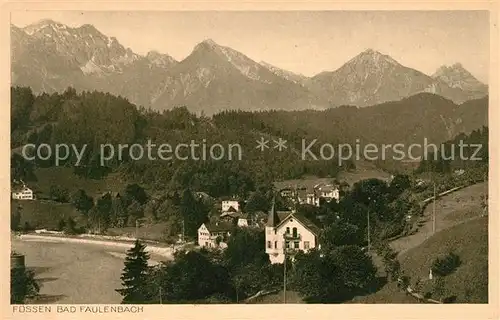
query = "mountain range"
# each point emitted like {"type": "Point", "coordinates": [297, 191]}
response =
{"type": "Point", "coordinates": [49, 56]}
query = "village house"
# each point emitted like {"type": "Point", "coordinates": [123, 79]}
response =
{"type": "Point", "coordinates": [329, 192]}
{"type": "Point", "coordinates": [240, 219]}
{"type": "Point", "coordinates": [230, 217]}
{"type": "Point", "coordinates": [314, 196]}
{"type": "Point", "coordinates": [288, 232]}
{"type": "Point", "coordinates": [214, 235]}
{"type": "Point", "coordinates": [22, 193]}
{"type": "Point", "coordinates": [230, 205]}
{"type": "Point", "coordinates": [287, 192]}
{"type": "Point", "coordinates": [312, 199]}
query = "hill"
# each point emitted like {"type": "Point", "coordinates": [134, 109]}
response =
{"type": "Point", "coordinates": [469, 282]}
{"type": "Point", "coordinates": [461, 228]}
{"type": "Point", "coordinates": [94, 118]}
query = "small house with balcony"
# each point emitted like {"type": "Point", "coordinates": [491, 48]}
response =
{"type": "Point", "coordinates": [288, 232]}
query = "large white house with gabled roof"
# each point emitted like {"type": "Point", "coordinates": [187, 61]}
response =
{"type": "Point", "coordinates": [288, 232]}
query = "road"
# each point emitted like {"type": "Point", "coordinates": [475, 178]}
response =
{"type": "Point", "coordinates": [73, 272]}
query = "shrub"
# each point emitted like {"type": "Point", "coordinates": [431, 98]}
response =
{"type": "Point", "coordinates": [443, 266]}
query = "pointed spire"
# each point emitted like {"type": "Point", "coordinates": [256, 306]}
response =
{"type": "Point", "coordinates": [272, 219]}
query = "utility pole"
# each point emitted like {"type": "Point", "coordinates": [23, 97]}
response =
{"type": "Point", "coordinates": [284, 275]}
{"type": "Point", "coordinates": [368, 223]}
{"type": "Point", "coordinates": [183, 231]}
{"type": "Point", "coordinates": [434, 211]}
{"type": "Point", "coordinates": [136, 229]}
{"type": "Point", "coordinates": [161, 302]}
{"type": "Point", "coordinates": [368, 226]}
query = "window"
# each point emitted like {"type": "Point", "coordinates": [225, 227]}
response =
{"type": "Point", "coordinates": [294, 232]}
{"type": "Point", "coordinates": [287, 244]}
{"type": "Point", "coordinates": [287, 230]}
{"type": "Point", "coordinates": [296, 244]}
{"type": "Point", "coordinates": [269, 244]}
{"type": "Point", "coordinates": [275, 244]}
{"type": "Point", "coordinates": [306, 244]}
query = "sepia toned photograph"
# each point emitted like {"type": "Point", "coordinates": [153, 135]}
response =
{"type": "Point", "coordinates": [248, 157]}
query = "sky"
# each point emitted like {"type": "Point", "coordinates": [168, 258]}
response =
{"type": "Point", "coordinates": [306, 42]}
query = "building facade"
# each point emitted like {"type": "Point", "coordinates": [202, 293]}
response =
{"type": "Point", "coordinates": [214, 235]}
{"type": "Point", "coordinates": [24, 193]}
{"type": "Point", "coordinates": [228, 204]}
{"type": "Point", "coordinates": [329, 193]}
{"type": "Point", "coordinates": [287, 233]}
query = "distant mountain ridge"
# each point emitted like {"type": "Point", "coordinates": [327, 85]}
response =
{"type": "Point", "coordinates": [294, 77]}
{"type": "Point", "coordinates": [372, 78]}
{"type": "Point", "coordinates": [49, 56]}
{"type": "Point", "coordinates": [456, 76]}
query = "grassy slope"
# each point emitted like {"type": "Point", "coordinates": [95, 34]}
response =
{"type": "Point", "coordinates": [468, 240]}
{"type": "Point", "coordinates": [44, 214]}
{"type": "Point", "coordinates": [364, 170]}
{"type": "Point", "coordinates": [469, 282]}
{"type": "Point", "coordinates": [451, 209]}
{"type": "Point", "coordinates": [64, 178]}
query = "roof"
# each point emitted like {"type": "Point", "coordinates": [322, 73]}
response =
{"type": "Point", "coordinates": [20, 189]}
{"type": "Point", "coordinates": [202, 194]}
{"type": "Point", "coordinates": [311, 226]}
{"type": "Point", "coordinates": [113, 194]}
{"type": "Point", "coordinates": [219, 226]}
{"type": "Point", "coordinates": [231, 214]}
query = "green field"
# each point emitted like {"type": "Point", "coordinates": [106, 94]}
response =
{"type": "Point", "coordinates": [63, 177]}
{"type": "Point", "coordinates": [152, 232]}
{"type": "Point", "coordinates": [42, 214]}
{"type": "Point", "coordinates": [364, 170]}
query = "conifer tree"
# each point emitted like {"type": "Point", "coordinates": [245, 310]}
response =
{"type": "Point", "coordinates": [134, 276]}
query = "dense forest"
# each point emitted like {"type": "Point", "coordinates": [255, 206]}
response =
{"type": "Point", "coordinates": [94, 118]}
{"type": "Point", "coordinates": [465, 151]}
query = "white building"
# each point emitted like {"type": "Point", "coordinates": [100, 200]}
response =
{"type": "Point", "coordinates": [24, 193]}
{"type": "Point", "coordinates": [214, 235]}
{"type": "Point", "coordinates": [312, 199]}
{"type": "Point", "coordinates": [329, 192]}
{"type": "Point", "coordinates": [288, 232]}
{"type": "Point", "coordinates": [228, 204]}
{"type": "Point", "coordinates": [242, 222]}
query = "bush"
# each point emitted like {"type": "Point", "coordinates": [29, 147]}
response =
{"type": "Point", "coordinates": [22, 285]}
{"type": "Point", "coordinates": [443, 266]}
